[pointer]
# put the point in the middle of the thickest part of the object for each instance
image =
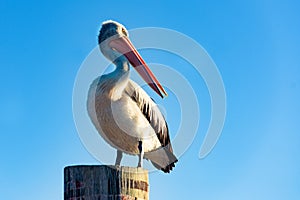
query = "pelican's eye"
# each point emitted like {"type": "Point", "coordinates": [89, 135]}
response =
{"type": "Point", "coordinates": [124, 31]}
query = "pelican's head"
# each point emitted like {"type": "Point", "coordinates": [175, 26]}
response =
{"type": "Point", "coordinates": [109, 31]}
{"type": "Point", "coordinates": [111, 28]}
{"type": "Point", "coordinates": [114, 43]}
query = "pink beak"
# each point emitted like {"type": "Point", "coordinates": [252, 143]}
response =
{"type": "Point", "coordinates": [124, 46]}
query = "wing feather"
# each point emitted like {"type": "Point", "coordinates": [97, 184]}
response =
{"type": "Point", "coordinates": [157, 121]}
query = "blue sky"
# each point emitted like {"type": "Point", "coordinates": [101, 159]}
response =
{"type": "Point", "coordinates": [255, 45]}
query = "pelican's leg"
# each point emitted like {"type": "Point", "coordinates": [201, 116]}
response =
{"type": "Point", "coordinates": [119, 157]}
{"type": "Point", "coordinates": [141, 155]}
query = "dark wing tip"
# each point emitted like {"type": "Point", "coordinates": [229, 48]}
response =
{"type": "Point", "coordinates": [166, 169]}
{"type": "Point", "coordinates": [169, 168]}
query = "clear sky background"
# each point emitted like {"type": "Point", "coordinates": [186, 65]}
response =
{"type": "Point", "coordinates": [255, 45]}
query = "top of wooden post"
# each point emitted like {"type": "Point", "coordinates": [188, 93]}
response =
{"type": "Point", "coordinates": [105, 182]}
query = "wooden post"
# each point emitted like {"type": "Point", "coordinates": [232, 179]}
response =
{"type": "Point", "coordinates": [102, 182]}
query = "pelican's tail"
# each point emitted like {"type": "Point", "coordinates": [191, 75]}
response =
{"type": "Point", "coordinates": [166, 169]}
{"type": "Point", "coordinates": [162, 158]}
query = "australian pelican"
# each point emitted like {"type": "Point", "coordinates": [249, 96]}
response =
{"type": "Point", "coordinates": [124, 115]}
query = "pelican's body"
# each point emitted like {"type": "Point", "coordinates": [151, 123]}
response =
{"type": "Point", "coordinates": [119, 116]}
{"type": "Point", "coordinates": [125, 116]}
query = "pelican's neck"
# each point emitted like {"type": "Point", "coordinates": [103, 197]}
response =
{"type": "Point", "coordinates": [119, 60]}
{"type": "Point", "coordinates": [122, 65]}
{"type": "Point", "coordinates": [120, 77]}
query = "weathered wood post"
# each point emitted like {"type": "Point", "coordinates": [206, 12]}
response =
{"type": "Point", "coordinates": [102, 182]}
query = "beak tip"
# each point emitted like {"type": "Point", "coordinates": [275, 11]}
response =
{"type": "Point", "coordinates": [163, 95]}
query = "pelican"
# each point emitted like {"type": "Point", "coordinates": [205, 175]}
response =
{"type": "Point", "coordinates": [122, 112]}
